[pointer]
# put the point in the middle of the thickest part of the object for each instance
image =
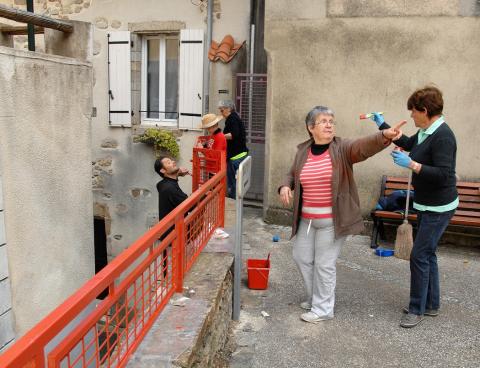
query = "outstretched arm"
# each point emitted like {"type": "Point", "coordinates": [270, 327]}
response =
{"type": "Point", "coordinates": [365, 147]}
{"type": "Point", "coordinates": [360, 149]}
{"type": "Point", "coordinates": [402, 140]}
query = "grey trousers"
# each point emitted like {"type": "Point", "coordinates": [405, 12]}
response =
{"type": "Point", "coordinates": [316, 254]}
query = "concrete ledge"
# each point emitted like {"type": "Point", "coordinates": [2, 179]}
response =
{"type": "Point", "coordinates": [43, 57]}
{"type": "Point", "coordinates": [156, 26]}
{"type": "Point", "coordinates": [193, 335]}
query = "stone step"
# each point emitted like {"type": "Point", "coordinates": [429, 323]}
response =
{"type": "Point", "coordinates": [193, 334]}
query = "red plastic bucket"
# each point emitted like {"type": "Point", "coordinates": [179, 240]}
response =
{"type": "Point", "coordinates": [257, 271]}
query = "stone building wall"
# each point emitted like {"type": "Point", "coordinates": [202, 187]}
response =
{"type": "Point", "coordinates": [123, 179]}
{"type": "Point", "coordinates": [124, 182]}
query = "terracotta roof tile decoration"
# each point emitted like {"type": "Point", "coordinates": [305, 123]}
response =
{"type": "Point", "coordinates": [225, 50]}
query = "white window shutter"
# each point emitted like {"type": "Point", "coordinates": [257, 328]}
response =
{"type": "Point", "coordinates": [119, 76]}
{"type": "Point", "coordinates": [191, 79]}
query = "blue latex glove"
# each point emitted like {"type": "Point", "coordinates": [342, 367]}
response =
{"type": "Point", "coordinates": [401, 158]}
{"type": "Point", "coordinates": [377, 118]}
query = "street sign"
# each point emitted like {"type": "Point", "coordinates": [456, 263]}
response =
{"type": "Point", "coordinates": [243, 177]}
{"type": "Point", "coordinates": [243, 184]}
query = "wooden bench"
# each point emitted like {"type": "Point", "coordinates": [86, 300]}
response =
{"type": "Point", "coordinates": [467, 213]}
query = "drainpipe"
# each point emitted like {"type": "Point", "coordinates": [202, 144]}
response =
{"type": "Point", "coordinates": [206, 64]}
{"type": "Point", "coordinates": [252, 48]}
{"type": "Point", "coordinates": [253, 11]}
{"type": "Point", "coordinates": [31, 28]}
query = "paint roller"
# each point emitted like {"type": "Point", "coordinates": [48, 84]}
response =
{"type": "Point", "coordinates": [369, 115]}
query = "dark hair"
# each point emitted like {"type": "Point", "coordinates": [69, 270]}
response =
{"type": "Point", "coordinates": [159, 165]}
{"type": "Point", "coordinates": [428, 98]}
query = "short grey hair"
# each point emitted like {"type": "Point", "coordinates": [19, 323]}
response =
{"type": "Point", "coordinates": [227, 103]}
{"type": "Point", "coordinates": [317, 110]}
{"type": "Point", "coordinates": [313, 113]}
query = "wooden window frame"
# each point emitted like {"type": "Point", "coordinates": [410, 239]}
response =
{"type": "Point", "coordinates": [171, 123]}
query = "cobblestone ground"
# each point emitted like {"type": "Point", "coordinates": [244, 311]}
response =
{"type": "Point", "coordinates": [371, 292]}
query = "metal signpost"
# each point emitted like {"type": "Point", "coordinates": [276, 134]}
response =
{"type": "Point", "coordinates": [243, 184]}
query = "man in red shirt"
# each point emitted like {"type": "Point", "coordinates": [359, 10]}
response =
{"type": "Point", "coordinates": [216, 140]}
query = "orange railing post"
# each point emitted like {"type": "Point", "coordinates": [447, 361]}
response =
{"type": "Point", "coordinates": [195, 170]}
{"type": "Point", "coordinates": [180, 251]}
{"type": "Point", "coordinates": [223, 192]}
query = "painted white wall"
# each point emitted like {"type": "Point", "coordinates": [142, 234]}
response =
{"type": "Point", "coordinates": [45, 153]}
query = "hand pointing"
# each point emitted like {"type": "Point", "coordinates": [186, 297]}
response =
{"type": "Point", "coordinates": [394, 132]}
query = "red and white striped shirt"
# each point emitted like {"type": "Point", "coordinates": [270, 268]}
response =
{"type": "Point", "coordinates": [316, 180]}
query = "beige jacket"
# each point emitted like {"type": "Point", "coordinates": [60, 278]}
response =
{"type": "Point", "coordinates": [347, 217]}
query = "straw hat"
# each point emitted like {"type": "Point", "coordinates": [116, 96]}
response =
{"type": "Point", "coordinates": [210, 120]}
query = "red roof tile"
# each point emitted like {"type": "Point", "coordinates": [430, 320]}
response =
{"type": "Point", "coordinates": [225, 50]}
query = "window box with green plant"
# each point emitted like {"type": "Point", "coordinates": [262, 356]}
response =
{"type": "Point", "coordinates": [163, 142]}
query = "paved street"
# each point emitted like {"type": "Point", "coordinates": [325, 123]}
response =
{"type": "Point", "coordinates": [371, 292]}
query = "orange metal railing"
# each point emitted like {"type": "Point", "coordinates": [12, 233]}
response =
{"type": "Point", "coordinates": [140, 281]}
{"type": "Point", "coordinates": [208, 162]}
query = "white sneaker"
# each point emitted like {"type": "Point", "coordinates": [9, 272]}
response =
{"type": "Point", "coordinates": [306, 305]}
{"type": "Point", "coordinates": [313, 317]}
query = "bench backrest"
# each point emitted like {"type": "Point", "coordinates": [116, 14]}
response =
{"type": "Point", "coordinates": [469, 193]}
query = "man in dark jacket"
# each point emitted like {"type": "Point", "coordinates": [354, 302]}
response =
{"type": "Point", "coordinates": [169, 196]}
{"type": "Point", "coordinates": [235, 135]}
{"type": "Point", "coordinates": [169, 193]}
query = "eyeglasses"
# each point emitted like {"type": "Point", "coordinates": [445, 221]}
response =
{"type": "Point", "coordinates": [325, 122]}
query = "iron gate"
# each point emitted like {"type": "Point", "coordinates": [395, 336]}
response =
{"type": "Point", "coordinates": [251, 101]}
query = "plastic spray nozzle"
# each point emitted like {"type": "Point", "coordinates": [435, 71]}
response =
{"type": "Point", "coordinates": [369, 115]}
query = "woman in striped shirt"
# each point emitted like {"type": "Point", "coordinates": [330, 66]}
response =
{"type": "Point", "coordinates": [326, 207]}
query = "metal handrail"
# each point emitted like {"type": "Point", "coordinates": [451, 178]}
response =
{"type": "Point", "coordinates": [23, 16]}
{"type": "Point", "coordinates": [136, 296]}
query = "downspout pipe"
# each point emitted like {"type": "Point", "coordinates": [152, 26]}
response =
{"type": "Point", "coordinates": [252, 11]}
{"type": "Point", "coordinates": [206, 63]}
{"type": "Point", "coordinates": [253, 19]}
{"type": "Point", "coordinates": [251, 68]}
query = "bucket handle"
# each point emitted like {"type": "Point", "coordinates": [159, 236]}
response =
{"type": "Point", "coordinates": [268, 259]}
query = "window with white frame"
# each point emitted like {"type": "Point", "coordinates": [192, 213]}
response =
{"type": "Point", "coordinates": [160, 65]}
{"type": "Point", "coordinates": [171, 79]}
